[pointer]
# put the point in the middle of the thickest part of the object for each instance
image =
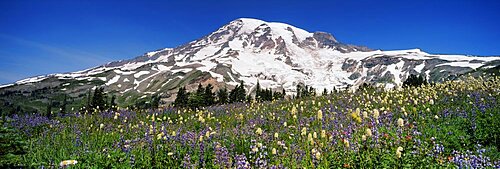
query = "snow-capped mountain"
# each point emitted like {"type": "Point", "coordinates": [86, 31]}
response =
{"type": "Point", "coordinates": [277, 55]}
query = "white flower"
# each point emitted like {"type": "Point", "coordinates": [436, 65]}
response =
{"type": "Point", "coordinates": [401, 122]}
{"type": "Point", "coordinates": [67, 162]}
{"type": "Point", "coordinates": [368, 132]}
{"type": "Point", "coordinates": [318, 155]}
{"type": "Point", "coordinates": [309, 138]}
{"type": "Point", "coordinates": [365, 114]}
{"type": "Point", "coordinates": [376, 114]}
{"type": "Point", "coordinates": [255, 149]}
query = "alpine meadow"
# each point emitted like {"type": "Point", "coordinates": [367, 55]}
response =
{"type": "Point", "coordinates": [250, 93]}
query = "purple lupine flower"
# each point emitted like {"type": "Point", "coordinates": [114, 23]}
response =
{"type": "Point", "coordinates": [241, 162]}
{"type": "Point", "coordinates": [222, 157]}
{"type": "Point", "coordinates": [186, 162]}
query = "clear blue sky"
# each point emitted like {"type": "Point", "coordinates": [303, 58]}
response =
{"type": "Point", "coordinates": [41, 37]}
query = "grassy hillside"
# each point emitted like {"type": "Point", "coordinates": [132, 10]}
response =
{"type": "Point", "coordinates": [446, 125]}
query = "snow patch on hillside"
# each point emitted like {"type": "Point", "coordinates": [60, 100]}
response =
{"type": "Point", "coordinates": [113, 80]}
{"type": "Point", "coordinates": [139, 74]}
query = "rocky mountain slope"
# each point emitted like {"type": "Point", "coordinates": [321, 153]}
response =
{"type": "Point", "coordinates": [277, 55]}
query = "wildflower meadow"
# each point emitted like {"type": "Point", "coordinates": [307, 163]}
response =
{"type": "Point", "coordinates": [444, 125]}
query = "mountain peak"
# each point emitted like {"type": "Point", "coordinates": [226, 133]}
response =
{"type": "Point", "coordinates": [250, 25]}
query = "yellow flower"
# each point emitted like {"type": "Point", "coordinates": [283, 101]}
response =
{"type": "Point", "coordinates": [201, 138]}
{"type": "Point", "coordinates": [274, 151]}
{"type": "Point", "coordinates": [67, 162]}
{"type": "Point", "coordinates": [315, 136]}
{"type": "Point", "coordinates": [320, 115]}
{"type": "Point", "coordinates": [355, 116]}
{"type": "Point", "coordinates": [101, 126]}
{"type": "Point", "coordinates": [365, 114]}
{"type": "Point", "coordinates": [398, 152]}
{"type": "Point", "coordinates": [303, 131]}
{"type": "Point", "coordinates": [309, 138]}
{"type": "Point", "coordinates": [363, 137]}
{"type": "Point", "coordinates": [346, 143]}
{"type": "Point", "coordinates": [170, 153]}
{"type": "Point", "coordinates": [318, 155]}
{"type": "Point", "coordinates": [323, 134]}
{"type": "Point", "coordinates": [259, 131]}
{"type": "Point", "coordinates": [275, 135]}
{"type": "Point", "coordinates": [401, 122]}
{"type": "Point", "coordinates": [173, 133]}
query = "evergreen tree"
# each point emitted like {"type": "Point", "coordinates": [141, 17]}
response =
{"type": "Point", "coordinates": [298, 88]}
{"type": "Point", "coordinates": [270, 95]}
{"type": "Point", "coordinates": [232, 94]}
{"type": "Point", "coordinates": [222, 96]}
{"type": "Point", "coordinates": [276, 95]}
{"type": "Point", "coordinates": [241, 92]}
{"type": "Point", "coordinates": [312, 91]}
{"type": "Point", "coordinates": [414, 81]}
{"type": "Point", "coordinates": [112, 103]}
{"type": "Point", "coordinates": [98, 101]}
{"type": "Point", "coordinates": [258, 92]}
{"type": "Point", "coordinates": [238, 94]}
{"type": "Point", "coordinates": [49, 110]}
{"type": "Point", "coordinates": [325, 92]}
{"type": "Point", "coordinates": [333, 91]}
{"type": "Point", "coordinates": [63, 105]}
{"type": "Point", "coordinates": [249, 99]}
{"type": "Point", "coordinates": [195, 99]}
{"type": "Point", "coordinates": [155, 101]}
{"type": "Point", "coordinates": [105, 102]}
{"type": "Point", "coordinates": [88, 106]}
{"type": "Point", "coordinates": [182, 98]}
{"type": "Point", "coordinates": [208, 95]}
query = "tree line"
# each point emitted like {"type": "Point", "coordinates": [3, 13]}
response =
{"type": "Point", "coordinates": [203, 96]}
